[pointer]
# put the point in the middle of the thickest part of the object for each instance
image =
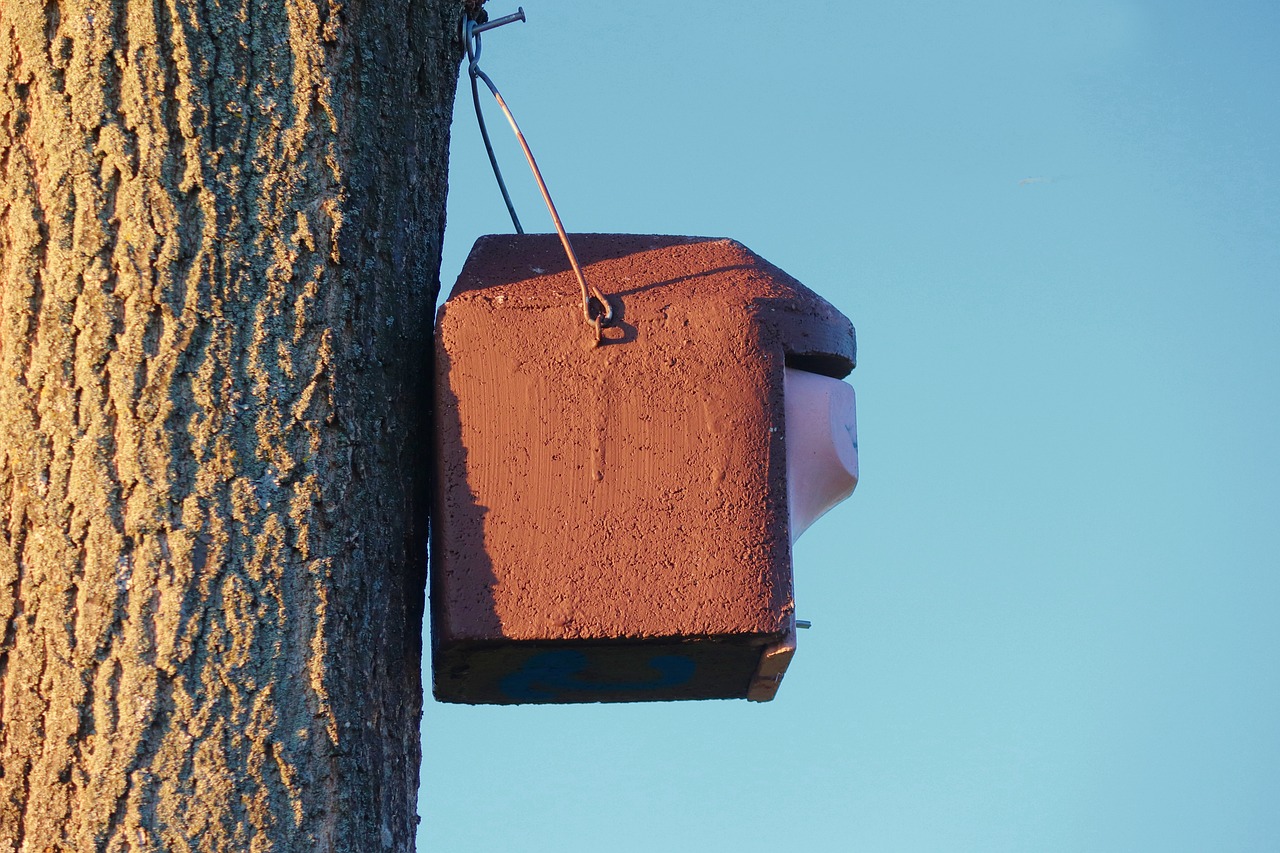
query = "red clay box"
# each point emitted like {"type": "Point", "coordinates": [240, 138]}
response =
{"type": "Point", "coordinates": [611, 522]}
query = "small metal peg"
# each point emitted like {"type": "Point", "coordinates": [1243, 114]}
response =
{"type": "Point", "coordinates": [803, 623]}
{"type": "Point", "coordinates": [498, 22]}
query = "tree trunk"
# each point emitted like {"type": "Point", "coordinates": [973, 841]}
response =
{"type": "Point", "coordinates": [220, 230]}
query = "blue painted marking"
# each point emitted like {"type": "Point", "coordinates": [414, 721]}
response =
{"type": "Point", "coordinates": [553, 675]}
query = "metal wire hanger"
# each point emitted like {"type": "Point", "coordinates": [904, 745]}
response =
{"type": "Point", "coordinates": [596, 308]}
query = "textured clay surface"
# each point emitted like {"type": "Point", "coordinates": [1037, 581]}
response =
{"type": "Point", "coordinates": [612, 520]}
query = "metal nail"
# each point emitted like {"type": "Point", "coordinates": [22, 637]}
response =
{"type": "Point", "coordinates": [498, 22]}
{"type": "Point", "coordinates": [803, 623]}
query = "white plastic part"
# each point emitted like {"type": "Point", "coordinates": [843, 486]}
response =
{"type": "Point", "coordinates": [822, 445]}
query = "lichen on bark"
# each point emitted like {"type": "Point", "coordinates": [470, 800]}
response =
{"type": "Point", "coordinates": [220, 229]}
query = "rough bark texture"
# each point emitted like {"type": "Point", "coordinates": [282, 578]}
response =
{"type": "Point", "coordinates": [220, 229]}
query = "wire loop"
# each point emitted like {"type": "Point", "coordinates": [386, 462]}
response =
{"type": "Point", "coordinates": [596, 308]}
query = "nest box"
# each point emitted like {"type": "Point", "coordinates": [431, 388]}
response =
{"type": "Point", "coordinates": [614, 522]}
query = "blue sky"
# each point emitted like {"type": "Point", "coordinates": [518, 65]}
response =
{"type": "Point", "coordinates": [1047, 620]}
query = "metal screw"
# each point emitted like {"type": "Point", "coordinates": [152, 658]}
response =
{"type": "Point", "coordinates": [803, 623]}
{"type": "Point", "coordinates": [498, 22]}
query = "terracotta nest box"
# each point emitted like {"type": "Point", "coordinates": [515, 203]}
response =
{"type": "Point", "coordinates": [614, 523]}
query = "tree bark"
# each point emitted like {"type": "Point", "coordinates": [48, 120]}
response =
{"type": "Point", "coordinates": [220, 231]}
